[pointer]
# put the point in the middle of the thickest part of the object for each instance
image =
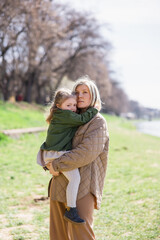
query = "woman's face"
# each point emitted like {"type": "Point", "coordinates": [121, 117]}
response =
{"type": "Point", "coordinates": [83, 96]}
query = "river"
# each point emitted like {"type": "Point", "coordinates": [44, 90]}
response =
{"type": "Point", "coordinates": [149, 127]}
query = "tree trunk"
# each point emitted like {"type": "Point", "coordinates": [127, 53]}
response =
{"type": "Point", "coordinates": [28, 87]}
{"type": "Point", "coordinates": [59, 81]}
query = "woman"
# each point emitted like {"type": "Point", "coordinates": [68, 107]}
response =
{"type": "Point", "coordinates": [89, 154]}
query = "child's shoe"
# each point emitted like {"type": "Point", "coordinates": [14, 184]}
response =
{"type": "Point", "coordinates": [71, 215]}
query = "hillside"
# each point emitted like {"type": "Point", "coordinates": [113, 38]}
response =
{"type": "Point", "coordinates": [21, 115]}
{"type": "Point", "coordinates": [130, 201]}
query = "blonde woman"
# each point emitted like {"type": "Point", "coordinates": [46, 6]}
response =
{"type": "Point", "coordinates": [63, 123]}
{"type": "Point", "coordinates": [89, 153]}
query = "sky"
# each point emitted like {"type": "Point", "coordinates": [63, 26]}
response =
{"type": "Point", "coordinates": [134, 32]}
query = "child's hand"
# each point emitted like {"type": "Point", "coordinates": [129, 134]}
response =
{"type": "Point", "coordinates": [51, 170]}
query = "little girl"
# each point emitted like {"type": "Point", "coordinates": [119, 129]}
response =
{"type": "Point", "coordinates": [63, 123]}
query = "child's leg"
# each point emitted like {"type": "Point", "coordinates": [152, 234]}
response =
{"type": "Point", "coordinates": [49, 156]}
{"type": "Point", "coordinates": [71, 213]}
{"type": "Point", "coordinates": [72, 187]}
{"type": "Point", "coordinates": [40, 160]}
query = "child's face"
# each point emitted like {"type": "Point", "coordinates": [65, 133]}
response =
{"type": "Point", "coordinates": [69, 104]}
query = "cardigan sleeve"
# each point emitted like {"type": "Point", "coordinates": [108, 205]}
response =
{"type": "Point", "coordinates": [92, 145]}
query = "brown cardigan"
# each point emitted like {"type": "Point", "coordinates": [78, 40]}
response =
{"type": "Point", "coordinates": [89, 154]}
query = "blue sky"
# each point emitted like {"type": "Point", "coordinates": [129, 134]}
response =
{"type": "Point", "coordinates": [135, 36]}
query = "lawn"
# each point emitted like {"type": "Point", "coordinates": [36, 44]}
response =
{"type": "Point", "coordinates": [20, 115]}
{"type": "Point", "coordinates": [130, 204]}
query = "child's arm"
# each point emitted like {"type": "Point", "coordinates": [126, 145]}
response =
{"type": "Point", "coordinates": [85, 117]}
{"type": "Point", "coordinates": [73, 119]}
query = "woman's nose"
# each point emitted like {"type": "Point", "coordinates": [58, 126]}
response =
{"type": "Point", "coordinates": [79, 94]}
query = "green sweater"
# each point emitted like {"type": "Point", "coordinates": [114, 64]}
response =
{"type": "Point", "coordinates": [62, 128]}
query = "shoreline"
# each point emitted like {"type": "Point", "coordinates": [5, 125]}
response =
{"type": "Point", "coordinates": [149, 127]}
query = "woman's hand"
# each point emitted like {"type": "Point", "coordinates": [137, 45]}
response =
{"type": "Point", "coordinates": [51, 170]}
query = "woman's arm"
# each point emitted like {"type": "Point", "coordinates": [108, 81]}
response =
{"type": "Point", "coordinates": [88, 150]}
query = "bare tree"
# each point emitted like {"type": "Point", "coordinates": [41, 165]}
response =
{"type": "Point", "coordinates": [10, 31]}
{"type": "Point", "coordinates": [28, 32]}
{"type": "Point", "coordinates": [117, 101]}
{"type": "Point", "coordinates": [44, 40]}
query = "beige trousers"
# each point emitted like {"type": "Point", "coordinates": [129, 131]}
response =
{"type": "Point", "coordinates": [60, 229]}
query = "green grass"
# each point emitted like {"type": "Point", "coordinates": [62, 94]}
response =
{"type": "Point", "coordinates": [131, 194]}
{"type": "Point", "coordinates": [20, 115]}
{"type": "Point", "coordinates": [130, 204]}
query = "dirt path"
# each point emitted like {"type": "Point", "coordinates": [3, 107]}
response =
{"type": "Point", "coordinates": [18, 131]}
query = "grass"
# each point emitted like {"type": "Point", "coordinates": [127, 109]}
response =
{"type": "Point", "coordinates": [130, 204]}
{"type": "Point", "coordinates": [20, 115]}
{"type": "Point", "coordinates": [131, 193]}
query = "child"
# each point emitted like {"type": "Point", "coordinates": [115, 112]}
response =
{"type": "Point", "coordinates": [63, 123]}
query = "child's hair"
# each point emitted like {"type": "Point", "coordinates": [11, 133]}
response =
{"type": "Point", "coordinates": [60, 96]}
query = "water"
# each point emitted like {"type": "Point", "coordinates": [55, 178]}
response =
{"type": "Point", "coordinates": [150, 127]}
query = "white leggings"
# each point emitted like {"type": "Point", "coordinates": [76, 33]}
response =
{"type": "Point", "coordinates": [72, 187]}
{"type": "Point", "coordinates": [73, 176]}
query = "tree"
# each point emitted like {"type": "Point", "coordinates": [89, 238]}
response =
{"type": "Point", "coordinates": [117, 101]}
{"type": "Point", "coordinates": [41, 42]}
{"type": "Point", "coordinates": [10, 31]}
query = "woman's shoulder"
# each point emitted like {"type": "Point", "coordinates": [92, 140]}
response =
{"type": "Point", "coordinates": [97, 122]}
{"type": "Point", "coordinates": [98, 118]}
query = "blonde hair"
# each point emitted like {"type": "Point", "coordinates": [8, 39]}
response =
{"type": "Point", "coordinates": [60, 97]}
{"type": "Point", "coordinates": [95, 96]}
